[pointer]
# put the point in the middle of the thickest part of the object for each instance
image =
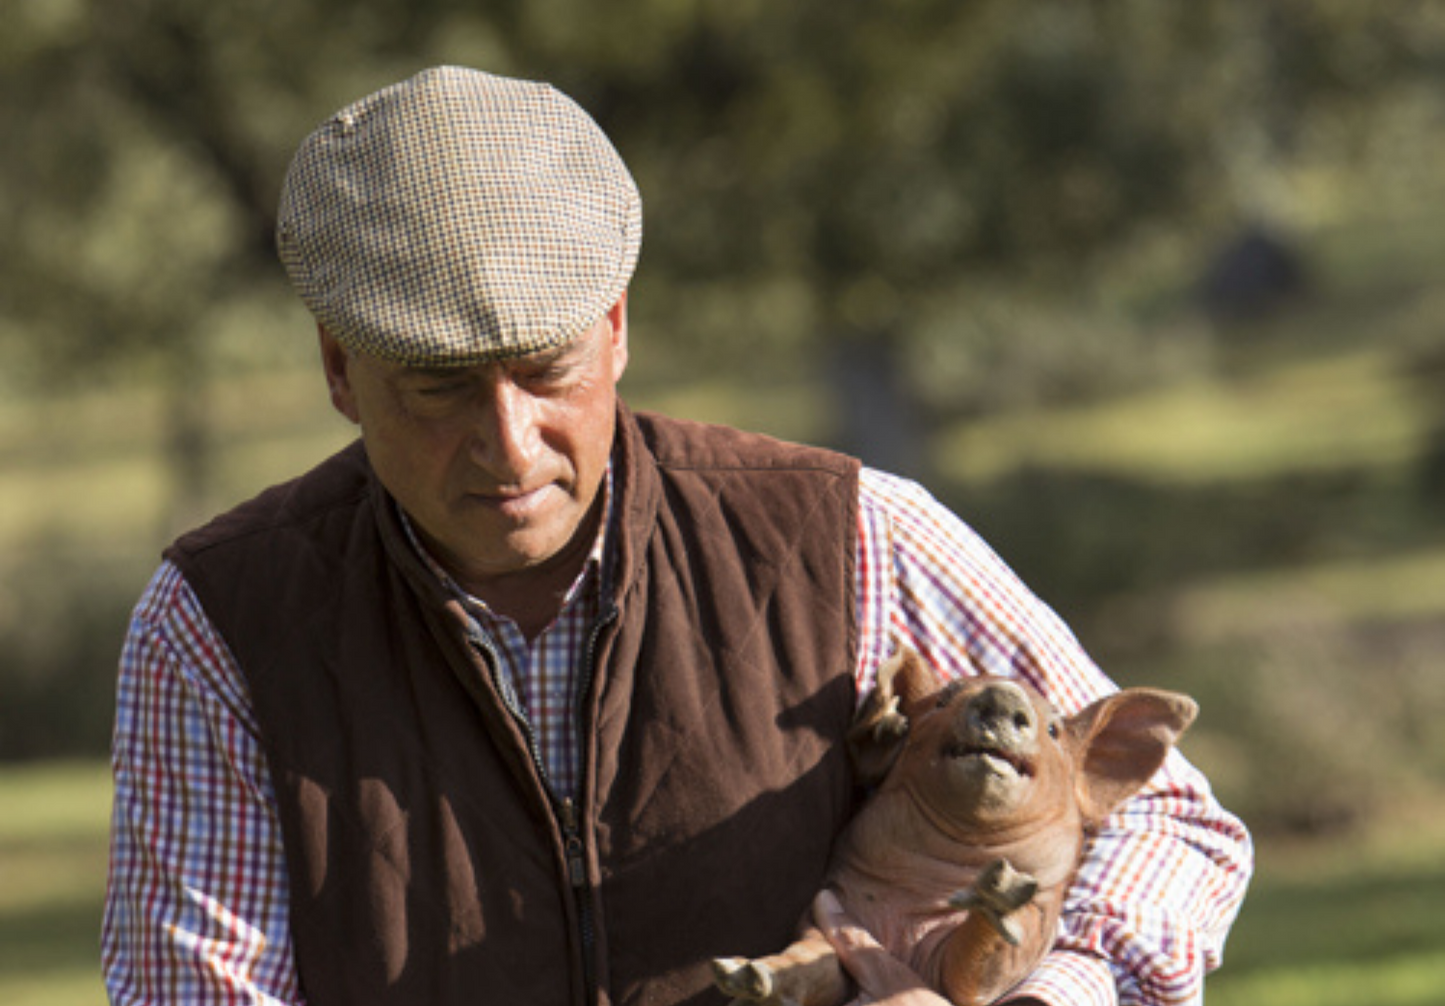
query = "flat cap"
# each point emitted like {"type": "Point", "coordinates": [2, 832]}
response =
{"type": "Point", "coordinates": [458, 217]}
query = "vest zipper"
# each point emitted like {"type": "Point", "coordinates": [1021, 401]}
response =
{"type": "Point", "coordinates": [577, 876]}
{"type": "Point", "coordinates": [564, 809]}
{"type": "Point", "coordinates": [576, 861]}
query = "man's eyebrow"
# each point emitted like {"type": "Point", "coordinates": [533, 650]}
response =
{"type": "Point", "coordinates": [545, 356]}
{"type": "Point", "coordinates": [577, 349]}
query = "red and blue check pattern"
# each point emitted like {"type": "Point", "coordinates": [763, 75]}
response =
{"type": "Point", "coordinates": [197, 906]}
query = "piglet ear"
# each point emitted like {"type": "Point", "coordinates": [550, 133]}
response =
{"type": "Point", "coordinates": [911, 677]}
{"type": "Point", "coordinates": [880, 729]}
{"type": "Point", "coordinates": [1121, 740]}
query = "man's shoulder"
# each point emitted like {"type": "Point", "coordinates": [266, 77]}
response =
{"type": "Point", "coordinates": [282, 553]}
{"type": "Point", "coordinates": [342, 481]}
{"type": "Point", "coordinates": [688, 444]}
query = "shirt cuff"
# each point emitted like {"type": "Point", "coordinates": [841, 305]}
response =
{"type": "Point", "coordinates": [1068, 979]}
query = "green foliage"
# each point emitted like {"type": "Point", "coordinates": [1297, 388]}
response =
{"type": "Point", "coordinates": [1004, 204]}
{"type": "Point", "coordinates": [860, 157]}
{"type": "Point", "coordinates": [1355, 923]}
{"type": "Point", "coordinates": [61, 623]}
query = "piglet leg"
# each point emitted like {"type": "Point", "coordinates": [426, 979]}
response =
{"type": "Point", "coordinates": [999, 942]}
{"type": "Point", "coordinates": [999, 891]}
{"type": "Point", "coordinates": [805, 974]}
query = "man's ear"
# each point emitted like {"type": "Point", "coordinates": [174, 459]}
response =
{"type": "Point", "coordinates": [1121, 740]}
{"type": "Point", "coordinates": [617, 323]}
{"type": "Point", "coordinates": [335, 361]}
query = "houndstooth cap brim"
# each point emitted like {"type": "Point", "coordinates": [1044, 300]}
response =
{"type": "Point", "coordinates": [458, 217]}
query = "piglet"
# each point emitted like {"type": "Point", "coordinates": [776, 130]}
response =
{"type": "Point", "coordinates": [960, 861]}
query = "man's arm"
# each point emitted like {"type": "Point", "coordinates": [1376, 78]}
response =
{"type": "Point", "coordinates": [196, 907]}
{"type": "Point", "coordinates": [1163, 879]}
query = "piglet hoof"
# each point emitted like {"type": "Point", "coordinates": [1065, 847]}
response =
{"type": "Point", "coordinates": [892, 726]}
{"type": "Point", "coordinates": [751, 981]}
{"type": "Point", "coordinates": [999, 891]}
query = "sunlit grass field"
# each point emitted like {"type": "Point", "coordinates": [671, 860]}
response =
{"type": "Point", "coordinates": [53, 836]}
{"type": "Point", "coordinates": [1349, 922]}
{"type": "Point", "coordinates": [1348, 408]}
{"type": "Point", "coordinates": [1354, 922]}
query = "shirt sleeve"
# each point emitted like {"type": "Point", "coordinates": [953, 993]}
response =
{"type": "Point", "coordinates": [1162, 880]}
{"type": "Point", "coordinates": [196, 906]}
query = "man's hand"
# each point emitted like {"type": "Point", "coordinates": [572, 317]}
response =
{"type": "Point", "coordinates": [881, 977]}
{"type": "Point", "coordinates": [883, 980]}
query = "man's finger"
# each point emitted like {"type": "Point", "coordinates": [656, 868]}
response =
{"type": "Point", "coordinates": [878, 973]}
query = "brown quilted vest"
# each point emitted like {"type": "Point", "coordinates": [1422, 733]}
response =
{"type": "Point", "coordinates": [428, 863]}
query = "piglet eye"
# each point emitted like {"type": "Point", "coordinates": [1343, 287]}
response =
{"type": "Point", "coordinates": [1054, 731]}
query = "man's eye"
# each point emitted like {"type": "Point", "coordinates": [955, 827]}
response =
{"type": "Point", "coordinates": [544, 377]}
{"type": "Point", "coordinates": [442, 389]}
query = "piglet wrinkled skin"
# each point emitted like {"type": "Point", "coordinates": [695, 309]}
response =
{"type": "Point", "coordinates": [960, 861]}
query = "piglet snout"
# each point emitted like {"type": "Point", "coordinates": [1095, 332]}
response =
{"type": "Point", "coordinates": [1001, 716]}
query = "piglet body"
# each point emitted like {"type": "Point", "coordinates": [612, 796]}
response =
{"type": "Point", "coordinates": [960, 861]}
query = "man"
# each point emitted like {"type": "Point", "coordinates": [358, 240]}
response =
{"type": "Point", "coordinates": [529, 699]}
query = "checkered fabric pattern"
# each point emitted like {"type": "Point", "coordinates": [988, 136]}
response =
{"type": "Point", "coordinates": [459, 217]}
{"type": "Point", "coordinates": [198, 906]}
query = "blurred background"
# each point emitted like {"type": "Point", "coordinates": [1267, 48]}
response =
{"type": "Point", "coordinates": [1152, 294]}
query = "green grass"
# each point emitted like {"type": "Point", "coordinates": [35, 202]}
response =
{"type": "Point", "coordinates": [53, 838]}
{"type": "Point", "coordinates": [1356, 922]}
{"type": "Point", "coordinates": [1252, 605]}
{"type": "Point", "coordinates": [1350, 409]}
{"type": "Point", "coordinates": [1324, 925]}
{"type": "Point", "coordinates": [1401, 980]}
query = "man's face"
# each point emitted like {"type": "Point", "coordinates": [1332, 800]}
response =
{"type": "Point", "coordinates": [499, 464]}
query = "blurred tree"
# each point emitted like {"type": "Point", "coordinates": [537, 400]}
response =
{"type": "Point", "coordinates": [819, 173]}
{"type": "Point", "coordinates": [910, 198]}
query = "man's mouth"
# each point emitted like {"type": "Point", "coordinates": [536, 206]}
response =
{"type": "Point", "coordinates": [513, 503]}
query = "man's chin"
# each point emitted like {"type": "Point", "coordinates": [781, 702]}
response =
{"type": "Point", "coordinates": [528, 548]}
{"type": "Point", "coordinates": [490, 542]}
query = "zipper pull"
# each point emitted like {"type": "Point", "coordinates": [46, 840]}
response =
{"type": "Point", "coordinates": [572, 844]}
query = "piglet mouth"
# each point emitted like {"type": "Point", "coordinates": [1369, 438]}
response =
{"type": "Point", "coordinates": [994, 758]}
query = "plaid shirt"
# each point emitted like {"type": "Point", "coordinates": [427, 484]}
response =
{"type": "Point", "coordinates": [197, 904]}
{"type": "Point", "coordinates": [540, 678]}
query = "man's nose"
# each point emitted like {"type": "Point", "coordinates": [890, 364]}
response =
{"type": "Point", "coordinates": [506, 441]}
